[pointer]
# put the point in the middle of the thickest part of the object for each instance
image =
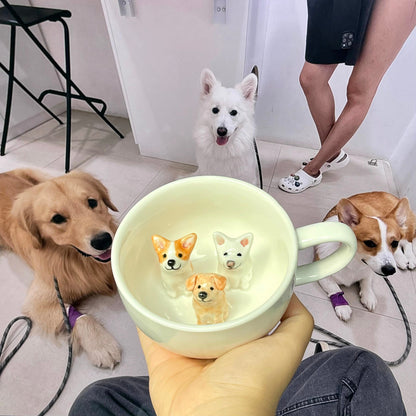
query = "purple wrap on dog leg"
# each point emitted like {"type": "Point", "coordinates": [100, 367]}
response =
{"type": "Point", "coordinates": [337, 299]}
{"type": "Point", "coordinates": [73, 315]}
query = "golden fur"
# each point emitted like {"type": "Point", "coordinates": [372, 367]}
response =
{"type": "Point", "coordinates": [212, 307]}
{"type": "Point", "coordinates": [49, 222]}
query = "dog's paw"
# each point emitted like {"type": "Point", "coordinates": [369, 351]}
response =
{"type": "Point", "coordinates": [369, 300]}
{"type": "Point", "coordinates": [343, 312]}
{"type": "Point", "coordinates": [101, 347]}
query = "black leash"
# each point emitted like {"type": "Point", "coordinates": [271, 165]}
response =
{"type": "Point", "coordinates": [341, 342]}
{"type": "Point", "coordinates": [26, 334]}
{"type": "Point", "coordinates": [258, 163]}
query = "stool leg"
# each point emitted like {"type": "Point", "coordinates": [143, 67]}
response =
{"type": "Point", "coordinates": [9, 90]}
{"type": "Point", "coordinates": [68, 99]}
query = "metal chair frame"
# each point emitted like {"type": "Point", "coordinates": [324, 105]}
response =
{"type": "Point", "coordinates": [66, 73]}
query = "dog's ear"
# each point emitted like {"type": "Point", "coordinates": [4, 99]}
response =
{"type": "Point", "coordinates": [401, 212]}
{"type": "Point", "coordinates": [246, 240]}
{"type": "Point", "coordinates": [190, 282]}
{"type": "Point", "coordinates": [102, 190]}
{"type": "Point", "coordinates": [159, 243]}
{"type": "Point", "coordinates": [22, 210]}
{"type": "Point", "coordinates": [248, 87]}
{"type": "Point", "coordinates": [219, 238]}
{"type": "Point", "coordinates": [188, 242]}
{"type": "Point", "coordinates": [208, 81]}
{"type": "Point", "coordinates": [220, 281]}
{"type": "Point", "coordinates": [348, 213]}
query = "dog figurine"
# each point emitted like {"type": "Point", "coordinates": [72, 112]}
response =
{"type": "Point", "coordinates": [225, 129]}
{"type": "Point", "coordinates": [384, 226]}
{"type": "Point", "coordinates": [234, 261]}
{"type": "Point", "coordinates": [208, 297]}
{"type": "Point", "coordinates": [62, 228]}
{"type": "Point", "coordinates": [175, 263]}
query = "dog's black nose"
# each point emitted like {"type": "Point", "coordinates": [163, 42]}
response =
{"type": "Point", "coordinates": [102, 241]}
{"type": "Point", "coordinates": [202, 295]}
{"type": "Point", "coordinates": [171, 263]}
{"type": "Point", "coordinates": [388, 270]}
{"type": "Point", "coordinates": [222, 131]}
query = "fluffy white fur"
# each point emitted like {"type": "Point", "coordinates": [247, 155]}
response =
{"type": "Point", "coordinates": [225, 129]}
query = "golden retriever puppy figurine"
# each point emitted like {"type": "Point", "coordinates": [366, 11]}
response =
{"type": "Point", "coordinates": [62, 228]}
{"type": "Point", "coordinates": [208, 297]}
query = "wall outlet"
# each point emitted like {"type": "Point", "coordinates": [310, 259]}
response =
{"type": "Point", "coordinates": [220, 12]}
{"type": "Point", "coordinates": [126, 8]}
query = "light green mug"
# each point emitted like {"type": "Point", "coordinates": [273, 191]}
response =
{"type": "Point", "coordinates": [203, 205]}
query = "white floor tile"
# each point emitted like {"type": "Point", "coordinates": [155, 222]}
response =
{"type": "Point", "coordinates": [129, 177]}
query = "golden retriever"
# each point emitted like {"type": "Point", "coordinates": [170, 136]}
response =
{"type": "Point", "coordinates": [208, 297]}
{"type": "Point", "coordinates": [62, 227]}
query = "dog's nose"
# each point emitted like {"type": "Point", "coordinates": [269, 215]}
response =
{"type": "Point", "coordinates": [102, 241]}
{"type": "Point", "coordinates": [230, 264]}
{"type": "Point", "coordinates": [388, 270]}
{"type": "Point", "coordinates": [202, 295]}
{"type": "Point", "coordinates": [171, 263]}
{"type": "Point", "coordinates": [222, 131]}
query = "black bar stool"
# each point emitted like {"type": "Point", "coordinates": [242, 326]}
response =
{"type": "Point", "coordinates": [24, 17]}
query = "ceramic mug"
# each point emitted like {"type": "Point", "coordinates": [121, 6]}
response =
{"type": "Point", "coordinates": [204, 205]}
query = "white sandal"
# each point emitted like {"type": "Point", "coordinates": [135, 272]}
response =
{"type": "Point", "coordinates": [299, 182]}
{"type": "Point", "coordinates": [339, 162]}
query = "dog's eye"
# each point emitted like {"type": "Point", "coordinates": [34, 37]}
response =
{"type": "Point", "coordinates": [165, 255]}
{"type": "Point", "coordinates": [58, 219]}
{"type": "Point", "coordinates": [239, 254]}
{"type": "Point", "coordinates": [92, 203]}
{"type": "Point", "coordinates": [199, 286]}
{"type": "Point", "coordinates": [211, 288]}
{"type": "Point", "coordinates": [233, 113]}
{"type": "Point", "coordinates": [394, 244]}
{"type": "Point", "coordinates": [215, 110]}
{"type": "Point", "coordinates": [225, 254]}
{"type": "Point", "coordinates": [370, 243]}
{"type": "Point", "coordinates": [180, 255]}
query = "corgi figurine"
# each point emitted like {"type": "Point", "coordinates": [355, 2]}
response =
{"type": "Point", "coordinates": [175, 264]}
{"type": "Point", "coordinates": [208, 297]}
{"type": "Point", "coordinates": [234, 260]}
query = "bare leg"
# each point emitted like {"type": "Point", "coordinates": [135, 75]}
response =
{"type": "Point", "coordinates": [314, 82]}
{"type": "Point", "coordinates": [391, 23]}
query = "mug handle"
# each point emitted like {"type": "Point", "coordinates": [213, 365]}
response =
{"type": "Point", "coordinates": [324, 232]}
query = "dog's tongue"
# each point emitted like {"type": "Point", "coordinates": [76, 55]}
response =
{"type": "Point", "coordinates": [222, 140]}
{"type": "Point", "coordinates": [105, 256]}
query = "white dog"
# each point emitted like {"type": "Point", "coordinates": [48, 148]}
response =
{"type": "Point", "coordinates": [225, 128]}
{"type": "Point", "coordinates": [234, 260]}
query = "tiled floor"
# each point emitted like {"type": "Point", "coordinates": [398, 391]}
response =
{"type": "Point", "coordinates": [33, 376]}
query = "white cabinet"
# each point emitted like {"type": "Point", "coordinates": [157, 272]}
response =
{"type": "Point", "coordinates": [160, 52]}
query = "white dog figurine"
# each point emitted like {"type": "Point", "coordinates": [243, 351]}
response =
{"type": "Point", "coordinates": [234, 260]}
{"type": "Point", "coordinates": [225, 128]}
{"type": "Point", "coordinates": [175, 263]}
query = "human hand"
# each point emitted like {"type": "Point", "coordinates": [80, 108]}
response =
{"type": "Point", "coordinates": [248, 380]}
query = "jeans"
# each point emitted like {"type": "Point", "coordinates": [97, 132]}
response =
{"type": "Point", "coordinates": [344, 382]}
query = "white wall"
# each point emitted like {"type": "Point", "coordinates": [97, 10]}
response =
{"type": "Point", "coordinates": [160, 53]}
{"type": "Point", "coordinates": [32, 69]}
{"type": "Point", "coordinates": [282, 113]}
{"type": "Point", "coordinates": [92, 60]}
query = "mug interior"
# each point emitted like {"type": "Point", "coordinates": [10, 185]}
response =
{"type": "Point", "coordinates": [203, 205]}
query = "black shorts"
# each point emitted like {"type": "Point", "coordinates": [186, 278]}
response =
{"type": "Point", "coordinates": [336, 30]}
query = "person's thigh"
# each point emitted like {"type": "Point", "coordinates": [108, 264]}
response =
{"type": "Point", "coordinates": [346, 381]}
{"type": "Point", "coordinates": [121, 396]}
{"type": "Point", "coordinates": [390, 25]}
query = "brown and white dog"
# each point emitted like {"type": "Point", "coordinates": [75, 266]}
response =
{"type": "Point", "coordinates": [384, 226]}
{"type": "Point", "coordinates": [62, 228]}
{"type": "Point", "coordinates": [208, 297]}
